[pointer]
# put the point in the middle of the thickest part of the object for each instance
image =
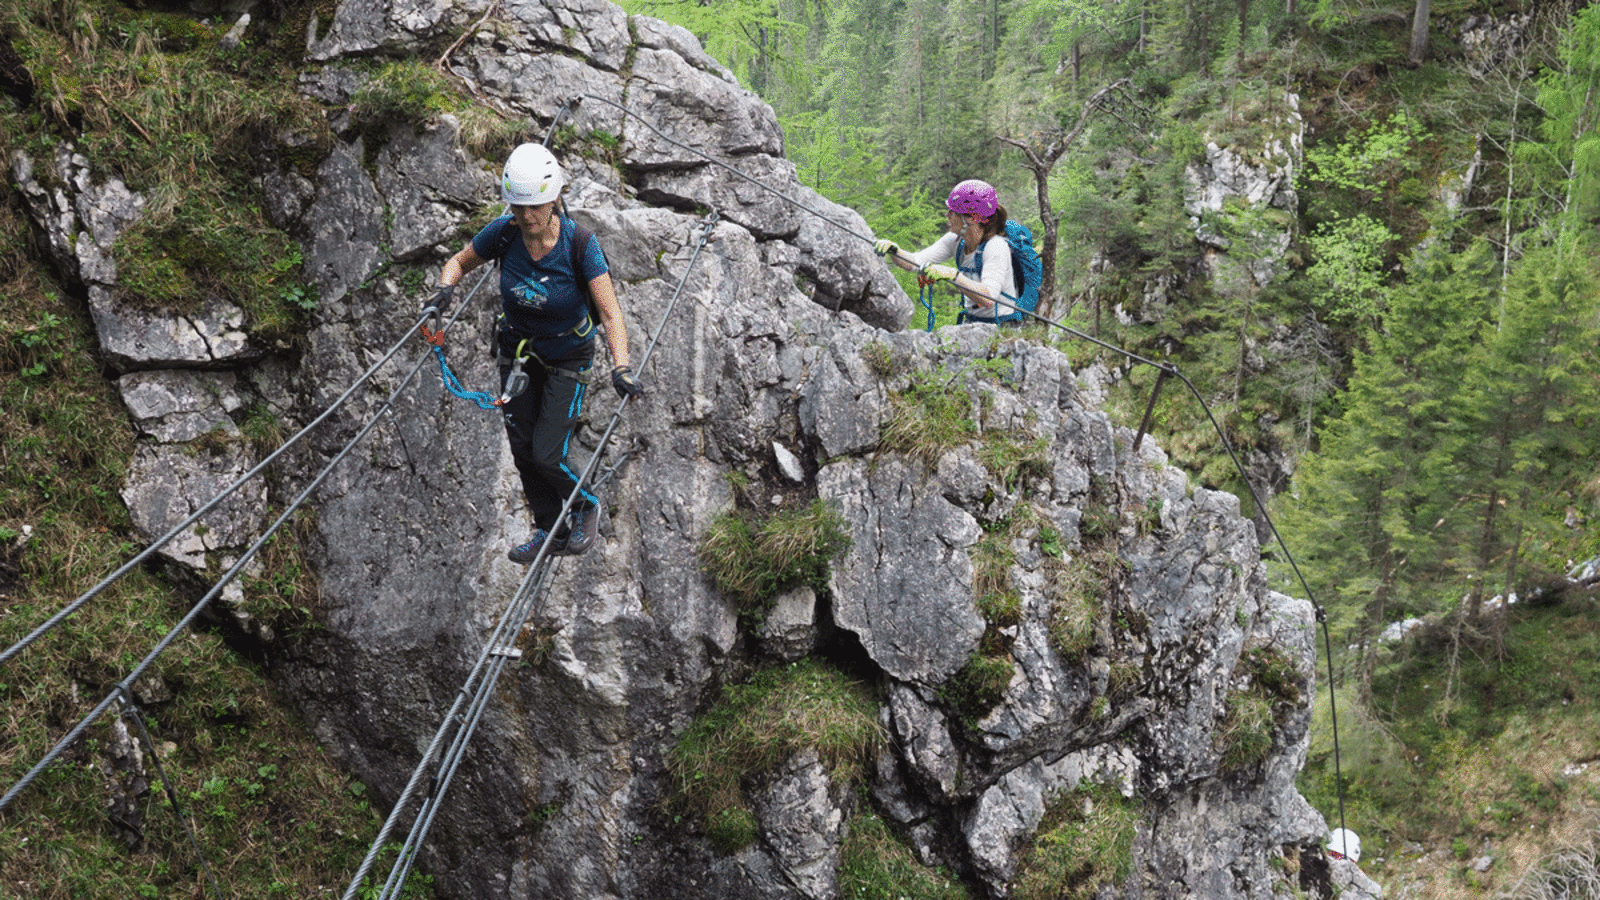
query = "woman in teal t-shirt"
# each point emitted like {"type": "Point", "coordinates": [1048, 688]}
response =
{"type": "Point", "coordinates": [546, 320]}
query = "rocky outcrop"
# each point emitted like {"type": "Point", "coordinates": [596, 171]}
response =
{"type": "Point", "coordinates": [1248, 193]}
{"type": "Point", "coordinates": [782, 362]}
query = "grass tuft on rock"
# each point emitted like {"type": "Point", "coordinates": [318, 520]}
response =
{"type": "Point", "coordinates": [933, 414]}
{"type": "Point", "coordinates": [875, 864]}
{"type": "Point", "coordinates": [753, 559]}
{"type": "Point", "coordinates": [1084, 843]}
{"type": "Point", "coordinates": [754, 727]}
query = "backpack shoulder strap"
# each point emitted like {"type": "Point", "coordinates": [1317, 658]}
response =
{"type": "Point", "coordinates": [502, 245]}
{"type": "Point", "coordinates": [580, 243]}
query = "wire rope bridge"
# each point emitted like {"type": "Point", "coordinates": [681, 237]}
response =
{"type": "Point", "coordinates": [425, 790]}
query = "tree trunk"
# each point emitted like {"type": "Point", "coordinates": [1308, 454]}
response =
{"type": "Point", "coordinates": [1042, 159]}
{"type": "Point", "coordinates": [994, 37]}
{"type": "Point", "coordinates": [1419, 33]}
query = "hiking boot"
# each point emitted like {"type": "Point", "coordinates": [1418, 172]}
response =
{"type": "Point", "coordinates": [580, 534]}
{"type": "Point", "coordinates": [524, 553]}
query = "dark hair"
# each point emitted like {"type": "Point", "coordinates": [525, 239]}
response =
{"type": "Point", "coordinates": [995, 225]}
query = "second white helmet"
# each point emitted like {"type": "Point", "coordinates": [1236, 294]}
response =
{"type": "Point", "coordinates": [1344, 844]}
{"type": "Point", "coordinates": [531, 177]}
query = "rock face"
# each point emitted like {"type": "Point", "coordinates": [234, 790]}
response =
{"type": "Point", "coordinates": [783, 361]}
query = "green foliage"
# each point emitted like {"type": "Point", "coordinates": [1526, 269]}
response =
{"type": "Point", "coordinates": [40, 348]}
{"type": "Point", "coordinates": [152, 99]}
{"type": "Point", "coordinates": [876, 864]}
{"type": "Point", "coordinates": [754, 559]}
{"type": "Point", "coordinates": [1367, 161]}
{"type": "Point", "coordinates": [1569, 155]}
{"type": "Point", "coordinates": [248, 774]}
{"type": "Point", "coordinates": [147, 97]}
{"type": "Point", "coordinates": [1460, 430]}
{"type": "Point", "coordinates": [281, 590]}
{"type": "Point", "coordinates": [879, 359]}
{"type": "Point", "coordinates": [978, 686]}
{"type": "Point", "coordinates": [405, 91]}
{"type": "Point", "coordinates": [417, 885]}
{"type": "Point", "coordinates": [210, 248]}
{"type": "Point", "coordinates": [992, 558]}
{"type": "Point", "coordinates": [757, 39]}
{"type": "Point", "coordinates": [1084, 843]}
{"type": "Point", "coordinates": [1271, 673]}
{"type": "Point", "coordinates": [1265, 680]}
{"type": "Point", "coordinates": [732, 829]}
{"type": "Point", "coordinates": [1078, 591]}
{"type": "Point", "coordinates": [1477, 762]}
{"type": "Point", "coordinates": [146, 93]}
{"type": "Point", "coordinates": [1247, 726]}
{"type": "Point", "coordinates": [756, 726]}
{"type": "Point", "coordinates": [932, 414]}
{"type": "Point", "coordinates": [1015, 458]}
{"type": "Point", "coordinates": [1099, 522]}
{"type": "Point", "coordinates": [1347, 278]}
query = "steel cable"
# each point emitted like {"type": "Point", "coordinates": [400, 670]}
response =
{"type": "Point", "coordinates": [210, 505]}
{"type": "Point", "coordinates": [233, 572]}
{"type": "Point", "coordinates": [496, 653]}
{"type": "Point", "coordinates": [1321, 614]}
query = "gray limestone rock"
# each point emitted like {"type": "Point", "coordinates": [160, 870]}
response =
{"type": "Point", "coordinates": [772, 326]}
{"type": "Point", "coordinates": [803, 814]}
{"type": "Point", "coordinates": [174, 405]}
{"type": "Point", "coordinates": [50, 207]}
{"type": "Point", "coordinates": [429, 186]}
{"type": "Point", "coordinates": [906, 587]}
{"type": "Point", "coordinates": [211, 336]}
{"type": "Point", "coordinates": [1352, 883]}
{"type": "Point", "coordinates": [127, 783]}
{"type": "Point", "coordinates": [167, 484]}
{"type": "Point", "coordinates": [789, 630]}
{"type": "Point", "coordinates": [679, 112]}
{"type": "Point", "coordinates": [345, 224]}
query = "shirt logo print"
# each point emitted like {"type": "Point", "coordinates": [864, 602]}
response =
{"type": "Point", "coordinates": [532, 293]}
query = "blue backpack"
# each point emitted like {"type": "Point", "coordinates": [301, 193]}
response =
{"type": "Point", "coordinates": [1026, 267]}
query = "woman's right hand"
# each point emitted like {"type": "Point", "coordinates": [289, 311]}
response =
{"type": "Point", "coordinates": [885, 248]}
{"type": "Point", "coordinates": [439, 303]}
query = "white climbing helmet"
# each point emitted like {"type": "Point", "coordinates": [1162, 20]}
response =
{"type": "Point", "coordinates": [532, 176]}
{"type": "Point", "coordinates": [1343, 844]}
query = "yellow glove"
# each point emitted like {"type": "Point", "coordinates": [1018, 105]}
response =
{"type": "Point", "coordinates": [940, 273]}
{"type": "Point", "coordinates": [884, 248]}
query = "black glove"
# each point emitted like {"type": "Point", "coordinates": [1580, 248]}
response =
{"type": "Point", "coordinates": [627, 386]}
{"type": "Point", "coordinates": [441, 298]}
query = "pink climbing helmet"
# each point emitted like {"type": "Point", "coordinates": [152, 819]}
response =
{"type": "Point", "coordinates": [973, 198]}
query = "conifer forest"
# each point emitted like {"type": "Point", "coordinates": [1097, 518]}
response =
{"type": "Point", "coordinates": [1407, 354]}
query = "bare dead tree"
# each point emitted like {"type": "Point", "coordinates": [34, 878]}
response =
{"type": "Point", "coordinates": [1043, 150]}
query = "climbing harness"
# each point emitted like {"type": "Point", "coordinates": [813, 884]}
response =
{"type": "Point", "coordinates": [516, 381]}
{"type": "Point", "coordinates": [436, 769]}
{"type": "Point", "coordinates": [517, 377]}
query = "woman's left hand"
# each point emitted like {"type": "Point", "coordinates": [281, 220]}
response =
{"type": "Point", "coordinates": [624, 382]}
